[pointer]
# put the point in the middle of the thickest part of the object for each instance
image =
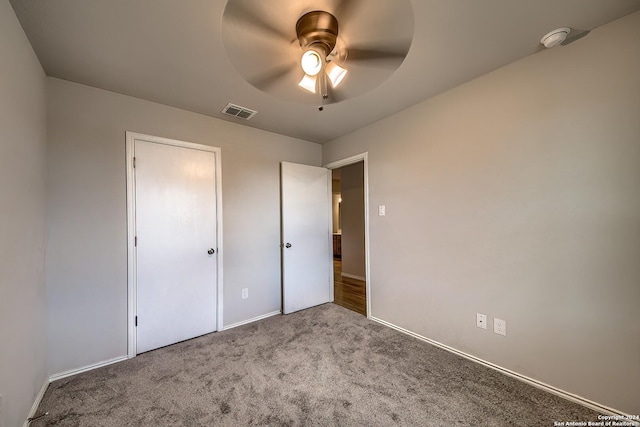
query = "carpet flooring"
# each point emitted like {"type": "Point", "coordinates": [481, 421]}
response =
{"type": "Point", "coordinates": [323, 366]}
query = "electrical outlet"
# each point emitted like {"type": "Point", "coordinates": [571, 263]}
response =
{"type": "Point", "coordinates": [245, 293]}
{"type": "Point", "coordinates": [500, 326]}
{"type": "Point", "coordinates": [481, 320]}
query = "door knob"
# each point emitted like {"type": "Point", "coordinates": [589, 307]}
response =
{"type": "Point", "coordinates": [288, 245]}
{"type": "Point", "coordinates": [211, 251]}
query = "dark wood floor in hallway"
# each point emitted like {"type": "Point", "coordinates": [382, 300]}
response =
{"type": "Point", "coordinates": [347, 292]}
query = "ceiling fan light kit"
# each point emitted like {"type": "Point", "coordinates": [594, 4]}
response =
{"type": "Point", "coordinates": [317, 34]}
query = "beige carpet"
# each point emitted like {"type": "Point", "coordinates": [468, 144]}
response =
{"type": "Point", "coordinates": [323, 366]}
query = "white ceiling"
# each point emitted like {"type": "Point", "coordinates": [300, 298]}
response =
{"type": "Point", "coordinates": [172, 52]}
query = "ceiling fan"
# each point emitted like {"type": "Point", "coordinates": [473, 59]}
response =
{"type": "Point", "coordinates": [321, 51]}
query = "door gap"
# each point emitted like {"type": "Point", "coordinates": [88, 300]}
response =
{"type": "Point", "coordinates": [350, 233]}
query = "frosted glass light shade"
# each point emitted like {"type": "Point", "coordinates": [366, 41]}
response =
{"type": "Point", "coordinates": [335, 73]}
{"type": "Point", "coordinates": [308, 83]}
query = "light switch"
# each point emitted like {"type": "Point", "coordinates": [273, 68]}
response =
{"type": "Point", "coordinates": [382, 210]}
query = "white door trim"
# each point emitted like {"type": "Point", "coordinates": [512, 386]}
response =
{"type": "Point", "coordinates": [131, 137]}
{"type": "Point", "coordinates": [362, 157]}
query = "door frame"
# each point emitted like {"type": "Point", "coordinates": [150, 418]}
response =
{"type": "Point", "coordinates": [362, 157]}
{"type": "Point", "coordinates": [131, 137]}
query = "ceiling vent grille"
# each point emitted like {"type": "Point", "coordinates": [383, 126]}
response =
{"type": "Point", "coordinates": [238, 111]}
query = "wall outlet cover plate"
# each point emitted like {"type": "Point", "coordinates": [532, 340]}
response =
{"type": "Point", "coordinates": [500, 326]}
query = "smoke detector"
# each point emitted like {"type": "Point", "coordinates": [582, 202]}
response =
{"type": "Point", "coordinates": [555, 37]}
{"type": "Point", "coordinates": [238, 111]}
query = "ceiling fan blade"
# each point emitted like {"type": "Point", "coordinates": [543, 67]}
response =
{"type": "Point", "coordinates": [346, 9]}
{"type": "Point", "coordinates": [248, 19]}
{"type": "Point", "coordinates": [372, 54]}
{"type": "Point", "coordinates": [389, 57]}
{"type": "Point", "coordinates": [574, 35]}
{"type": "Point", "coordinates": [269, 78]}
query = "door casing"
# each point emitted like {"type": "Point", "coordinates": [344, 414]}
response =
{"type": "Point", "coordinates": [131, 137]}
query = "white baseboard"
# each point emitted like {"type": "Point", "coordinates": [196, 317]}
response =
{"type": "Point", "coordinates": [353, 276]}
{"type": "Point", "coordinates": [36, 402]}
{"type": "Point", "coordinates": [244, 322]}
{"type": "Point", "coordinates": [71, 372]}
{"type": "Point", "coordinates": [539, 384]}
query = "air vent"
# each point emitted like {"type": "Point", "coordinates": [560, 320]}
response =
{"type": "Point", "coordinates": [238, 111]}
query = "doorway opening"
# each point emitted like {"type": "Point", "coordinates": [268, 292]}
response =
{"type": "Point", "coordinates": [350, 234]}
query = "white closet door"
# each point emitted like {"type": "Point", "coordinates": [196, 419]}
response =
{"type": "Point", "coordinates": [176, 235]}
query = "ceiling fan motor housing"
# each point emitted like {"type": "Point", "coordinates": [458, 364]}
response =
{"type": "Point", "coordinates": [318, 30]}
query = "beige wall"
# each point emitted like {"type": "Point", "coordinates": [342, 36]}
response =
{"type": "Point", "coordinates": [517, 195]}
{"type": "Point", "coordinates": [352, 220]}
{"type": "Point", "coordinates": [335, 212]}
{"type": "Point", "coordinates": [335, 201]}
{"type": "Point", "coordinates": [86, 258]}
{"type": "Point", "coordinates": [23, 310]}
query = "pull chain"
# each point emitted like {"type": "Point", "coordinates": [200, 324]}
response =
{"type": "Point", "coordinates": [323, 89]}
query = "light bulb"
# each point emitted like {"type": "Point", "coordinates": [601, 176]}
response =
{"type": "Point", "coordinates": [335, 73]}
{"type": "Point", "coordinates": [311, 62]}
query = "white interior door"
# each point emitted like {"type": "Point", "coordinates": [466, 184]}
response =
{"type": "Point", "coordinates": [307, 264]}
{"type": "Point", "coordinates": [175, 223]}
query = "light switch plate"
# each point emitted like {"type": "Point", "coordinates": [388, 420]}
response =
{"type": "Point", "coordinates": [481, 320]}
{"type": "Point", "coordinates": [382, 210]}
